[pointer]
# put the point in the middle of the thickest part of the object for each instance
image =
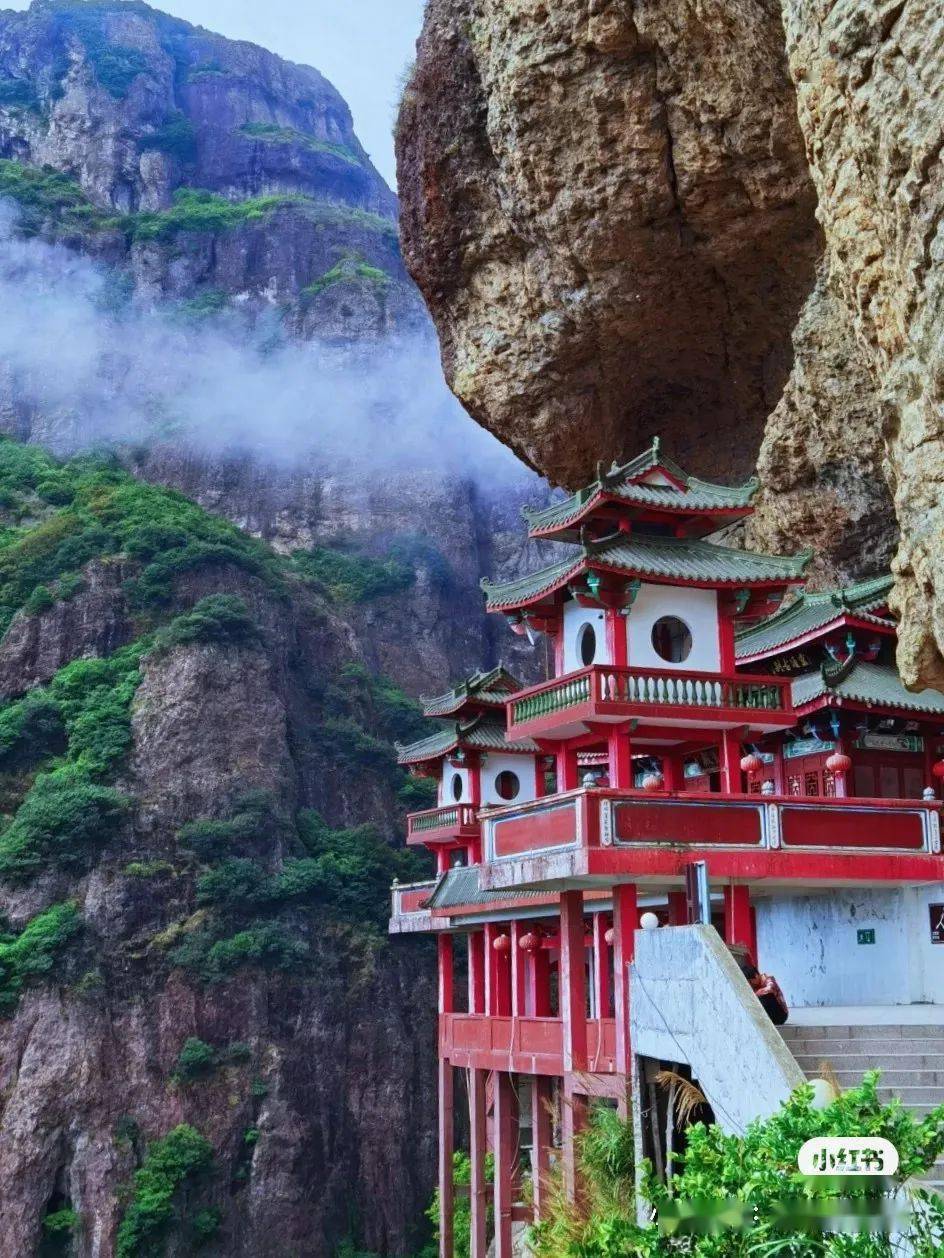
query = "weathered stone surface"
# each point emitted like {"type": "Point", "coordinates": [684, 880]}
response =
{"type": "Point", "coordinates": [821, 464]}
{"type": "Point", "coordinates": [608, 211]}
{"type": "Point", "coordinates": [870, 81]}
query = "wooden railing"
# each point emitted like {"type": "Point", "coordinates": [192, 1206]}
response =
{"type": "Point", "coordinates": [454, 817]}
{"type": "Point", "coordinates": [408, 900]}
{"type": "Point", "coordinates": [601, 686]}
{"type": "Point", "coordinates": [527, 1044]}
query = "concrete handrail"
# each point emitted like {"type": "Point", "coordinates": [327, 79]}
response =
{"type": "Point", "coordinates": [691, 1004]}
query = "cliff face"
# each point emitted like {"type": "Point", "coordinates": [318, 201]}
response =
{"type": "Point", "coordinates": [650, 265]}
{"type": "Point", "coordinates": [190, 745]}
{"type": "Point", "coordinates": [224, 190]}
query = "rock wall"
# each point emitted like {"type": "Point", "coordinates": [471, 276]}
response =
{"type": "Point", "coordinates": [609, 208]}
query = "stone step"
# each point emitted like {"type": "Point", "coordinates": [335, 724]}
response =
{"type": "Point", "coordinates": [791, 1031]}
{"type": "Point", "coordinates": [871, 1048]}
{"type": "Point", "coordinates": [811, 1061]}
{"type": "Point", "coordinates": [890, 1081]}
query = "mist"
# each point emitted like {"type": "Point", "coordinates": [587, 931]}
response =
{"type": "Point", "coordinates": [89, 366]}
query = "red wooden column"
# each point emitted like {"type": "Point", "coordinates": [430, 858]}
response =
{"type": "Point", "coordinates": [446, 1149]}
{"type": "Point", "coordinates": [573, 1004]}
{"type": "Point", "coordinates": [541, 1136]}
{"type": "Point", "coordinates": [567, 770]}
{"type": "Point", "coordinates": [497, 971]}
{"type": "Point", "coordinates": [678, 908]}
{"type": "Point", "coordinates": [673, 773]}
{"type": "Point", "coordinates": [780, 777]}
{"type": "Point", "coordinates": [738, 927]}
{"type": "Point", "coordinates": [620, 756]}
{"type": "Point", "coordinates": [601, 967]}
{"type": "Point", "coordinates": [841, 780]}
{"type": "Point", "coordinates": [616, 638]}
{"type": "Point", "coordinates": [446, 1107]}
{"type": "Point", "coordinates": [731, 762]}
{"type": "Point", "coordinates": [477, 972]}
{"type": "Point", "coordinates": [519, 969]}
{"type": "Point", "coordinates": [478, 1188]}
{"type": "Point", "coordinates": [625, 921]}
{"type": "Point", "coordinates": [539, 975]}
{"type": "Point", "coordinates": [505, 1119]}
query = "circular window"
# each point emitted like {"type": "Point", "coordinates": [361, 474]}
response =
{"type": "Point", "coordinates": [456, 786]}
{"type": "Point", "coordinates": [671, 639]}
{"type": "Point", "coordinates": [587, 645]}
{"type": "Point", "coordinates": [507, 784]}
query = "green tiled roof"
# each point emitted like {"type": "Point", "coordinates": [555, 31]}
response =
{"type": "Point", "coordinates": [868, 683]}
{"type": "Point", "coordinates": [696, 495]}
{"type": "Point", "coordinates": [478, 734]}
{"type": "Point", "coordinates": [641, 555]}
{"type": "Point", "coordinates": [810, 612]}
{"type": "Point", "coordinates": [461, 886]}
{"type": "Point", "coordinates": [491, 688]}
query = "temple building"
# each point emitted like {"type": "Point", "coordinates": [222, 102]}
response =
{"type": "Point", "coordinates": [715, 749]}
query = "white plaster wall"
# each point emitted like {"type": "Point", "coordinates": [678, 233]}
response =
{"type": "Point", "coordinates": [446, 796]}
{"type": "Point", "coordinates": [699, 610]}
{"type": "Point", "coordinates": [575, 617]}
{"type": "Point", "coordinates": [493, 764]}
{"type": "Point", "coordinates": [809, 944]}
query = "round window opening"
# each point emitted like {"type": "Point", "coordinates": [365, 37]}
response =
{"type": "Point", "coordinates": [456, 786]}
{"type": "Point", "coordinates": [671, 639]}
{"type": "Point", "coordinates": [587, 645]}
{"type": "Point", "coordinates": [507, 784]}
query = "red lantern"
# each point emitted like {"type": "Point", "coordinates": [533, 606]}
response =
{"type": "Point", "coordinates": [938, 768]}
{"type": "Point", "coordinates": [501, 943]}
{"type": "Point", "coordinates": [652, 782]}
{"type": "Point", "coordinates": [839, 762]}
{"type": "Point", "coordinates": [530, 942]}
{"type": "Point", "coordinates": [751, 763]}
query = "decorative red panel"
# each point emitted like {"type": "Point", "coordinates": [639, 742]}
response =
{"type": "Point", "coordinates": [851, 828]}
{"type": "Point", "coordinates": [698, 825]}
{"type": "Point", "coordinates": [536, 831]}
{"type": "Point", "coordinates": [412, 901]}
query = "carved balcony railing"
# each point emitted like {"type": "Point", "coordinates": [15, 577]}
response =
{"type": "Point", "coordinates": [601, 693]}
{"type": "Point", "coordinates": [455, 823]}
{"type": "Point", "coordinates": [525, 1044]}
{"type": "Point", "coordinates": [602, 833]}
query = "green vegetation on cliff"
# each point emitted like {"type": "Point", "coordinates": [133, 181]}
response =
{"type": "Point", "coordinates": [272, 133]}
{"type": "Point", "coordinates": [31, 955]}
{"type": "Point", "coordinates": [172, 1162]}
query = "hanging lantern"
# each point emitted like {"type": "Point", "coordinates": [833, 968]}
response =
{"type": "Point", "coordinates": [839, 762]}
{"type": "Point", "coordinates": [652, 782]}
{"type": "Point", "coordinates": [751, 763]}
{"type": "Point", "coordinates": [938, 768]}
{"type": "Point", "coordinates": [530, 942]}
{"type": "Point", "coordinates": [501, 943]}
{"type": "Point", "coordinates": [609, 936]}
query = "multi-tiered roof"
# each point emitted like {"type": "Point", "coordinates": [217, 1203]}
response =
{"type": "Point", "coordinates": [646, 521]}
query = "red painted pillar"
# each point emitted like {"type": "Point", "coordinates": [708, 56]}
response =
{"type": "Point", "coordinates": [625, 921]}
{"type": "Point", "coordinates": [616, 638]}
{"type": "Point", "coordinates": [780, 780]}
{"type": "Point", "coordinates": [573, 1002]}
{"type": "Point", "coordinates": [478, 1188]}
{"type": "Point", "coordinates": [567, 770]}
{"type": "Point", "coordinates": [477, 972]}
{"type": "Point", "coordinates": [506, 1159]}
{"type": "Point", "coordinates": [841, 779]}
{"type": "Point", "coordinates": [620, 753]}
{"type": "Point", "coordinates": [519, 969]}
{"type": "Point", "coordinates": [731, 763]}
{"type": "Point", "coordinates": [442, 860]}
{"type": "Point", "coordinates": [541, 1137]}
{"type": "Point", "coordinates": [601, 966]}
{"type": "Point", "coordinates": [446, 990]}
{"type": "Point", "coordinates": [737, 916]}
{"type": "Point", "coordinates": [540, 977]}
{"type": "Point", "coordinates": [678, 908]}
{"type": "Point", "coordinates": [673, 776]}
{"type": "Point", "coordinates": [446, 1149]}
{"type": "Point", "coordinates": [497, 971]}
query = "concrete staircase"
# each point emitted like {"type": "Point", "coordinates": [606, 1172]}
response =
{"type": "Point", "coordinates": [911, 1059]}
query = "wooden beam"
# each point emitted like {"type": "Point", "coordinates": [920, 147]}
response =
{"type": "Point", "coordinates": [625, 921]}
{"type": "Point", "coordinates": [542, 1133]}
{"type": "Point", "coordinates": [573, 982]}
{"type": "Point", "coordinates": [738, 928]}
{"type": "Point", "coordinates": [477, 972]}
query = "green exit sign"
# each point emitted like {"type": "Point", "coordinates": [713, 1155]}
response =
{"type": "Point", "coordinates": [865, 936]}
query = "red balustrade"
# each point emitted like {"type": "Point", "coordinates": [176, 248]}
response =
{"type": "Point", "coordinates": [528, 1045]}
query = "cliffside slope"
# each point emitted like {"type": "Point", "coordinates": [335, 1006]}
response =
{"type": "Point", "coordinates": [193, 969]}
